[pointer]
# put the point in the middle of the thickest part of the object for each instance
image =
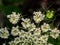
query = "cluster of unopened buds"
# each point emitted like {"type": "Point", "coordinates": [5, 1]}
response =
{"type": "Point", "coordinates": [30, 33]}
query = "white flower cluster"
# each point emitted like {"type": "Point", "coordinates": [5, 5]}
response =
{"type": "Point", "coordinates": [26, 38]}
{"type": "Point", "coordinates": [14, 18]}
{"type": "Point", "coordinates": [29, 33]}
{"type": "Point", "coordinates": [27, 24]}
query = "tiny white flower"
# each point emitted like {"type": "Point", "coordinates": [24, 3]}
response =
{"type": "Point", "coordinates": [44, 38]}
{"type": "Point", "coordinates": [17, 40]}
{"type": "Point", "coordinates": [54, 33]}
{"type": "Point", "coordinates": [22, 34]}
{"type": "Point", "coordinates": [37, 32]}
{"type": "Point", "coordinates": [45, 27]}
{"type": "Point", "coordinates": [26, 22]}
{"type": "Point", "coordinates": [28, 34]}
{"type": "Point", "coordinates": [35, 39]}
{"type": "Point", "coordinates": [15, 31]}
{"type": "Point", "coordinates": [38, 16]}
{"type": "Point", "coordinates": [14, 18]}
{"type": "Point", "coordinates": [22, 39]}
{"type": "Point", "coordinates": [12, 43]}
{"type": "Point", "coordinates": [4, 33]}
{"type": "Point", "coordinates": [32, 27]}
{"type": "Point", "coordinates": [26, 19]}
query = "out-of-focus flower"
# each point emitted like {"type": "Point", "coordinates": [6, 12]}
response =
{"type": "Point", "coordinates": [54, 33]}
{"type": "Point", "coordinates": [44, 38]}
{"type": "Point", "coordinates": [37, 32]}
{"type": "Point", "coordinates": [45, 27]}
{"type": "Point", "coordinates": [4, 33]}
{"type": "Point", "coordinates": [4, 44]}
{"type": "Point", "coordinates": [14, 18]}
{"type": "Point", "coordinates": [38, 16]}
{"type": "Point", "coordinates": [15, 31]}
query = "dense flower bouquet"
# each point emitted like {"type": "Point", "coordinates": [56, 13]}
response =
{"type": "Point", "coordinates": [31, 31]}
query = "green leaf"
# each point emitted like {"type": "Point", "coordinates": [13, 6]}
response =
{"type": "Point", "coordinates": [58, 41]}
{"type": "Point", "coordinates": [51, 40]}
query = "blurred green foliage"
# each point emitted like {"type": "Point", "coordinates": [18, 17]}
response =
{"type": "Point", "coordinates": [9, 9]}
{"type": "Point", "coordinates": [12, 1]}
{"type": "Point", "coordinates": [7, 6]}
